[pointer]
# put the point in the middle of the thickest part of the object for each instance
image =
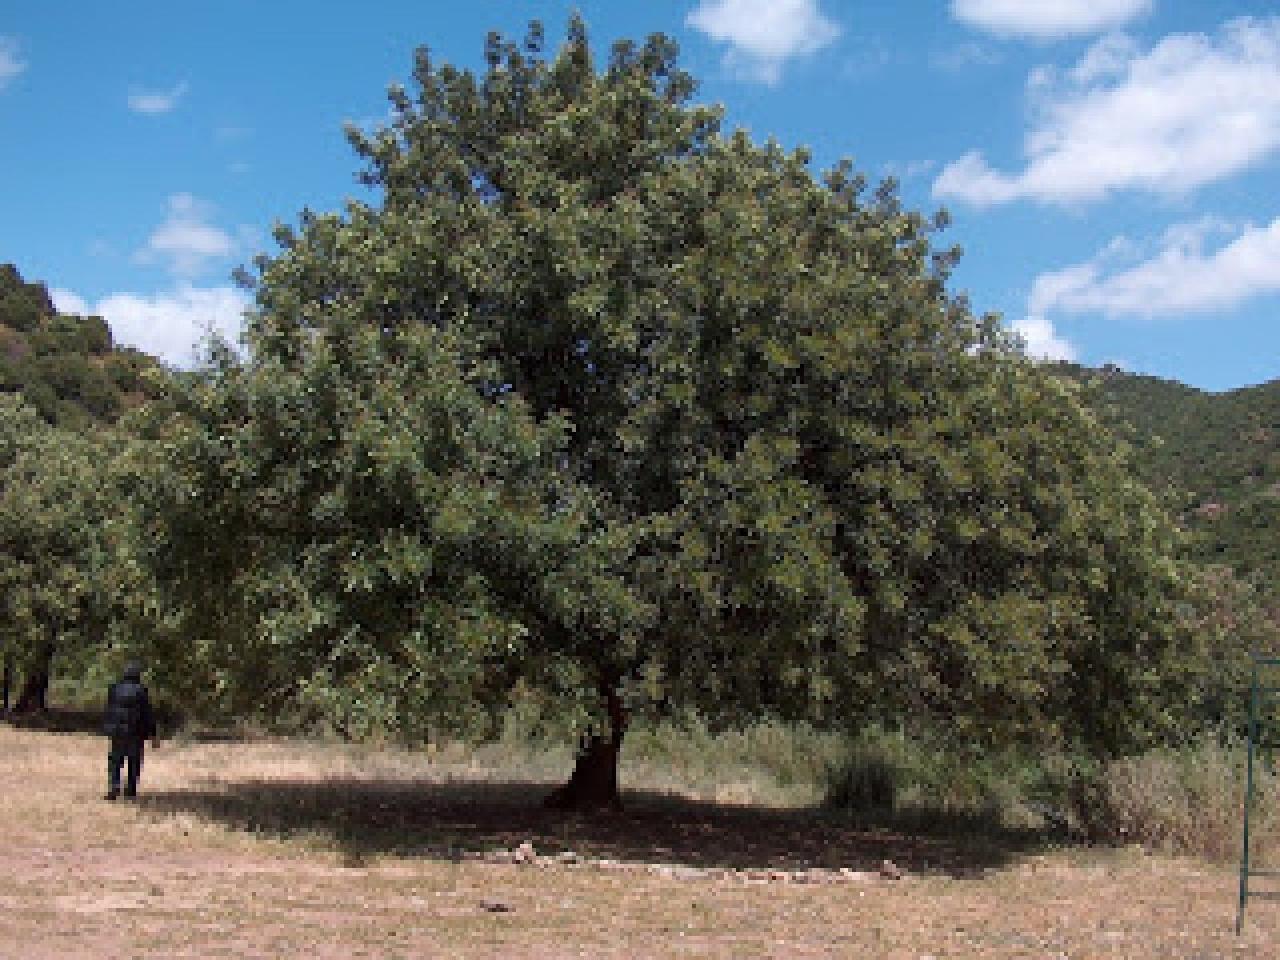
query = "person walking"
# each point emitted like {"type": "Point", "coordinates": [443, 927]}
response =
{"type": "Point", "coordinates": [129, 722]}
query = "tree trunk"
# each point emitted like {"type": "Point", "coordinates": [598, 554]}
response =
{"type": "Point", "coordinates": [34, 695]}
{"type": "Point", "coordinates": [593, 785]}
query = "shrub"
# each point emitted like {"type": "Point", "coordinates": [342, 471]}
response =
{"type": "Point", "coordinates": [926, 783]}
{"type": "Point", "coordinates": [867, 780]}
{"type": "Point", "coordinates": [1183, 801]}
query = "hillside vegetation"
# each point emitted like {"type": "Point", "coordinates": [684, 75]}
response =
{"type": "Point", "coordinates": [67, 367]}
{"type": "Point", "coordinates": [1214, 457]}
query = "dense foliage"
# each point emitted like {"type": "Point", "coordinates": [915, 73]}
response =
{"type": "Point", "coordinates": [56, 528]}
{"type": "Point", "coordinates": [360, 537]}
{"type": "Point", "coordinates": [599, 397]}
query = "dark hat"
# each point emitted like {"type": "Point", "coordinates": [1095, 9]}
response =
{"type": "Point", "coordinates": [132, 671]}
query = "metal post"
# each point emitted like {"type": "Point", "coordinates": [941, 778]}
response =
{"type": "Point", "coordinates": [1248, 796]}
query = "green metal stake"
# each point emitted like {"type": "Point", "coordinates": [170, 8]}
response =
{"type": "Point", "coordinates": [1248, 795]}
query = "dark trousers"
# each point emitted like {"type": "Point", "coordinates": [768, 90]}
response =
{"type": "Point", "coordinates": [124, 749]}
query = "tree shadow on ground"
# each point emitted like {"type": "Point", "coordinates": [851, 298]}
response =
{"type": "Point", "coordinates": [57, 720]}
{"type": "Point", "coordinates": [365, 818]}
{"type": "Point", "coordinates": [89, 720]}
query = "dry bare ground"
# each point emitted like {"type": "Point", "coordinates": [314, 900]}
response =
{"type": "Point", "coordinates": [271, 849]}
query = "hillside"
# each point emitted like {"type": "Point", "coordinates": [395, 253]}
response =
{"type": "Point", "coordinates": [1215, 458]}
{"type": "Point", "coordinates": [67, 367]}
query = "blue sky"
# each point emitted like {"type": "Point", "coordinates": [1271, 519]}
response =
{"type": "Point", "coordinates": [1111, 165]}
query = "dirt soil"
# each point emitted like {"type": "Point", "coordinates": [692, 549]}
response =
{"type": "Point", "coordinates": [271, 851]}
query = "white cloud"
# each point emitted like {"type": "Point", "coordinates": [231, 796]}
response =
{"type": "Point", "coordinates": [68, 301]}
{"type": "Point", "coordinates": [1108, 58]}
{"type": "Point", "coordinates": [1047, 19]}
{"type": "Point", "coordinates": [169, 325]}
{"type": "Point", "coordinates": [11, 64]}
{"type": "Point", "coordinates": [1191, 111]}
{"type": "Point", "coordinates": [1041, 340]}
{"type": "Point", "coordinates": [763, 34]}
{"type": "Point", "coordinates": [156, 101]}
{"type": "Point", "coordinates": [909, 170]}
{"type": "Point", "coordinates": [186, 241]}
{"type": "Point", "coordinates": [1183, 276]}
{"type": "Point", "coordinates": [971, 180]}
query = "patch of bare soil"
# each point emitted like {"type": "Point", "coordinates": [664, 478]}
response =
{"type": "Point", "coordinates": [259, 851]}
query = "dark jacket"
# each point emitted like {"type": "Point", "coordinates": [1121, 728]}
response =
{"type": "Point", "coordinates": [128, 712]}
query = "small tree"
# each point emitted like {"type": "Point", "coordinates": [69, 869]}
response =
{"type": "Point", "coordinates": [54, 521]}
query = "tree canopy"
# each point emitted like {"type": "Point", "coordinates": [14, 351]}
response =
{"type": "Point", "coordinates": [599, 396]}
{"type": "Point", "coordinates": [55, 542]}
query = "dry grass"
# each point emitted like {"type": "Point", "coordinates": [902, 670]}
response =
{"type": "Point", "coordinates": [282, 849]}
{"type": "Point", "coordinates": [1189, 800]}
